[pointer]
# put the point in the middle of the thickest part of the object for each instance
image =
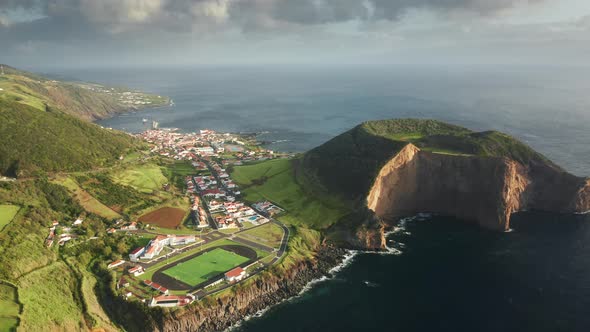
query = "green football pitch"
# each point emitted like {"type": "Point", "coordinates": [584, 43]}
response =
{"type": "Point", "coordinates": [205, 266]}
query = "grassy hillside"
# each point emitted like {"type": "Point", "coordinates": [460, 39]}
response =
{"type": "Point", "coordinates": [144, 178]}
{"type": "Point", "coordinates": [9, 307]}
{"type": "Point", "coordinates": [87, 201]}
{"type": "Point", "coordinates": [7, 213]}
{"type": "Point", "coordinates": [347, 164]}
{"type": "Point", "coordinates": [56, 285]}
{"type": "Point", "coordinates": [86, 101]}
{"type": "Point", "coordinates": [328, 185]}
{"type": "Point", "coordinates": [276, 180]}
{"type": "Point", "coordinates": [52, 141]}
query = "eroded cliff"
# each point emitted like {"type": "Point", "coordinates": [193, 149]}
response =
{"type": "Point", "coordinates": [487, 190]}
{"type": "Point", "coordinates": [248, 299]}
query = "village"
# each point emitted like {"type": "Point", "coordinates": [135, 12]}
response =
{"type": "Point", "coordinates": [224, 240]}
{"type": "Point", "coordinates": [126, 97]}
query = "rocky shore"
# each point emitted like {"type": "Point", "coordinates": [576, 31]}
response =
{"type": "Point", "coordinates": [266, 290]}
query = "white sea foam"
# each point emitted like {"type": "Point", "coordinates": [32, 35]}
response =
{"type": "Point", "coordinates": [346, 261]}
{"type": "Point", "coordinates": [348, 258]}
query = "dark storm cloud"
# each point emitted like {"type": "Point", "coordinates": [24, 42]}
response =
{"type": "Point", "coordinates": [117, 16]}
{"type": "Point", "coordinates": [203, 30]}
{"type": "Point", "coordinates": [307, 12]}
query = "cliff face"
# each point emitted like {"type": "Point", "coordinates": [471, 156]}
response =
{"type": "Point", "coordinates": [486, 190]}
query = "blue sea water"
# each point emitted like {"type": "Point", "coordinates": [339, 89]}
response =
{"type": "Point", "coordinates": [450, 276]}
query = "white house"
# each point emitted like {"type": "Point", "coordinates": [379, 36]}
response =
{"type": "Point", "coordinates": [235, 275]}
{"type": "Point", "coordinates": [136, 270]}
{"type": "Point", "coordinates": [135, 254]}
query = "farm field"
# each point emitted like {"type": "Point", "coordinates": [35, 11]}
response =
{"type": "Point", "coordinates": [205, 266]}
{"type": "Point", "coordinates": [166, 217]}
{"type": "Point", "coordinates": [144, 178]}
{"type": "Point", "coordinates": [177, 171]}
{"type": "Point", "coordinates": [7, 213]}
{"type": "Point", "coordinates": [269, 234]}
{"type": "Point", "coordinates": [9, 308]}
{"type": "Point", "coordinates": [88, 202]}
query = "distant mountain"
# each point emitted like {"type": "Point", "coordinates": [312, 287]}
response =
{"type": "Point", "coordinates": [87, 101]}
{"type": "Point", "coordinates": [43, 127]}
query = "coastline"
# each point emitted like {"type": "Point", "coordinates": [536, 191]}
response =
{"type": "Point", "coordinates": [127, 110]}
{"type": "Point", "coordinates": [259, 297]}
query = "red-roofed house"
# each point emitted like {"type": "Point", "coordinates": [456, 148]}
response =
{"type": "Point", "coordinates": [235, 275]}
{"type": "Point", "coordinates": [136, 270]}
{"type": "Point", "coordinates": [116, 263]}
{"type": "Point", "coordinates": [135, 254]}
{"type": "Point", "coordinates": [156, 286]}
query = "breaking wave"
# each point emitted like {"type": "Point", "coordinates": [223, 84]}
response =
{"type": "Point", "coordinates": [346, 261]}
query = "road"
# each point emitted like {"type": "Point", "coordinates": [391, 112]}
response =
{"type": "Point", "coordinates": [279, 254]}
{"type": "Point", "coordinates": [216, 235]}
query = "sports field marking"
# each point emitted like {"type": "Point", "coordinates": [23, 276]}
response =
{"type": "Point", "coordinates": [205, 266]}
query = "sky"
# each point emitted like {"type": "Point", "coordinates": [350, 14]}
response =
{"type": "Point", "coordinates": [82, 33]}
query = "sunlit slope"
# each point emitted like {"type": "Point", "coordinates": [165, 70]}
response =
{"type": "Point", "coordinates": [348, 164]}
{"type": "Point", "coordinates": [52, 141]}
{"type": "Point", "coordinates": [86, 101]}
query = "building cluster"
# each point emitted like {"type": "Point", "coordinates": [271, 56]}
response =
{"type": "Point", "coordinates": [219, 194]}
{"type": "Point", "coordinates": [214, 195]}
{"type": "Point", "coordinates": [157, 244]}
{"type": "Point", "coordinates": [132, 98]}
{"type": "Point", "coordinates": [199, 214]}
{"type": "Point", "coordinates": [268, 208]}
{"type": "Point", "coordinates": [65, 233]}
{"type": "Point", "coordinates": [215, 202]}
{"type": "Point", "coordinates": [204, 145]}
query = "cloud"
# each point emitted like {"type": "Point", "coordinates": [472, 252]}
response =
{"type": "Point", "coordinates": [266, 30]}
{"type": "Point", "coordinates": [121, 15]}
{"type": "Point", "coordinates": [120, 11]}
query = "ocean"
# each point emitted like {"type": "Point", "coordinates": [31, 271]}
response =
{"type": "Point", "coordinates": [448, 275]}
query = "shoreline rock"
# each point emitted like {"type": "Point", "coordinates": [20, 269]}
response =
{"type": "Point", "coordinates": [267, 290]}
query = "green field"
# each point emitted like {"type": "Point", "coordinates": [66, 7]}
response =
{"type": "Point", "coordinates": [9, 308]}
{"type": "Point", "coordinates": [7, 213]}
{"type": "Point", "coordinates": [176, 172]}
{"type": "Point", "coordinates": [50, 307]}
{"type": "Point", "coordinates": [88, 202]}
{"type": "Point", "coordinates": [20, 93]}
{"type": "Point", "coordinates": [144, 178]}
{"type": "Point", "coordinates": [205, 266]}
{"type": "Point", "coordinates": [275, 181]}
{"type": "Point", "coordinates": [270, 235]}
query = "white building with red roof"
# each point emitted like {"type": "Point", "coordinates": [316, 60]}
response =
{"type": "Point", "coordinates": [136, 254]}
{"type": "Point", "coordinates": [136, 270]}
{"type": "Point", "coordinates": [116, 263]}
{"type": "Point", "coordinates": [235, 275]}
